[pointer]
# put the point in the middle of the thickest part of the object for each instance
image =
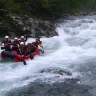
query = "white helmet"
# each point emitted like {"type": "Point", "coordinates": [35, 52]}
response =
{"type": "Point", "coordinates": [21, 43]}
{"type": "Point", "coordinates": [6, 36]}
{"type": "Point", "coordinates": [15, 38]}
{"type": "Point", "coordinates": [22, 36]}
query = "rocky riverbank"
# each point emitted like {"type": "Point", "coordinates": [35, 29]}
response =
{"type": "Point", "coordinates": [36, 27]}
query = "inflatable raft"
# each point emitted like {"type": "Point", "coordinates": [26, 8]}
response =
{"type": "Point", "coordinates": [18, 58]}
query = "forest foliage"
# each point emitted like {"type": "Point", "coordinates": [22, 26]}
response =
{"type": "Point", "coordinates": [47, 7]}
{"type": "Point", "coordinates": [40, 8]}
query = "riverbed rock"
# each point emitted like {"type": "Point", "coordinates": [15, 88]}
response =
{"type": "Point", "coordinates": [56, 71]}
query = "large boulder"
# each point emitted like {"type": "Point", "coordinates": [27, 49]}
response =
{"type": "Point", "coordinates": [36, 27]}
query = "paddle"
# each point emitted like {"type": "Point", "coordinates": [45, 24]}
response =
{"type": "Point", "coordinates": [13, 55]}
{"type": "Point", "coordinates": [24, 62]}
{"type": "Point", "coordinates": [2, 48]}
{"type": "Point", "coordinates": [41, 45]}
{"type": "Point", "coordinates": [42, 48]}
{"type": "Point", "coordinates": [22, 57]}
{"type": "Point", "coordinates": [21, 60]}
{"type": "Point", "coordinates": [31, 57]}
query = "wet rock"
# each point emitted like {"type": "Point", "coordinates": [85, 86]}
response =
{"type": "Point", "coordinates": [56, 89]}
{"type": "Point", "coordinates": [57, 71]}
{"type": "Point", "coordinates": [37, 27]}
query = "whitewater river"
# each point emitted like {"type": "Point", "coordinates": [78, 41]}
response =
{"type": "Point", "coordinates": [67, 68]}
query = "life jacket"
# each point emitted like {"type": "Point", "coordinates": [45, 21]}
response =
{"type": "Point", "coordinates": [22, 50]}
{"type": "Point", "coordinates": [15, 43]}
{"type": "Point", "coordinates": [38, 41]}
{"type": "Point", "coordinates": [35, 44]}
{"type": "Point", "coordinates": [6, 43]}
{"type": "Point", "coordinates": [29, 46]}
{"type": "Point", "coordinates": [22, 40]}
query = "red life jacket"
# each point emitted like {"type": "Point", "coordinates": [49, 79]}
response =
{"type": "Point", "coordinates": [22, 40]}
{"type": "Point", "coordinates": [29, 47]}
{"type": "Point", "coordinates": [35, 44]}
{"type": "Point", "coordinates": [7, 43]}
{"type": "Point", "coordinates": [22, 50]}
{"type": "Point", "coordinates": [15, 43]}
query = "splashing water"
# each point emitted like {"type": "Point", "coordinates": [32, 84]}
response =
{"type": "Point", "coordinates": [74, 51]}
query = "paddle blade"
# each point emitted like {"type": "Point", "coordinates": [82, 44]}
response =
{"type": "Point", "coordinates": [43, 49]}
{"type": "Point", "coordinates": [31, 56]}
{"type": "Point", "coordinates": [24, 63]}
{"type": "Point", "coordinates": [2, 48]}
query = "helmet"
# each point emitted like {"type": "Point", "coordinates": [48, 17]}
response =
{"type": "Point", "coordinates": [16, 38]}
{"type": "Point", "coordinates": [6, 36]}
{"type": "Point", "coordinates": [22, 36]}
{"type": "Point", "coordinates": [21, 43]}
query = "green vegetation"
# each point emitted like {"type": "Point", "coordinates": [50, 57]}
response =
{"type": "Point", "coordinates": [54, 8]}
{"type": "Point", "coordinates": [40, 9]}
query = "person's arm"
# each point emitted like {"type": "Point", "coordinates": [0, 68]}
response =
{"type": "Point", "coordinates": [19, 51]}
{"type": "Point", "coordinates": [25, 37]}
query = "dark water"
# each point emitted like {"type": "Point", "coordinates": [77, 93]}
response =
{"type": "Point", "coordinates": [70, 88]}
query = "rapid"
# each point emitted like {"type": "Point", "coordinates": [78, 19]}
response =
{"type": "Point", "coordinates": [67, 67]}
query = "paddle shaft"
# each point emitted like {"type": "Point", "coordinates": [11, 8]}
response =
{"type": "Point", "coordinates": [42, 48]}
{"type": "Point", "coordinates": [21, 60]}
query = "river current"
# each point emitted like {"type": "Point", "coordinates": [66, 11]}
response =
{"type": "Point", "coordinates": [67, 68]}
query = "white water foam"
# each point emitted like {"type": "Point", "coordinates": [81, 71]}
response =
{"type": "Point", "coordinates": [76, 40]}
